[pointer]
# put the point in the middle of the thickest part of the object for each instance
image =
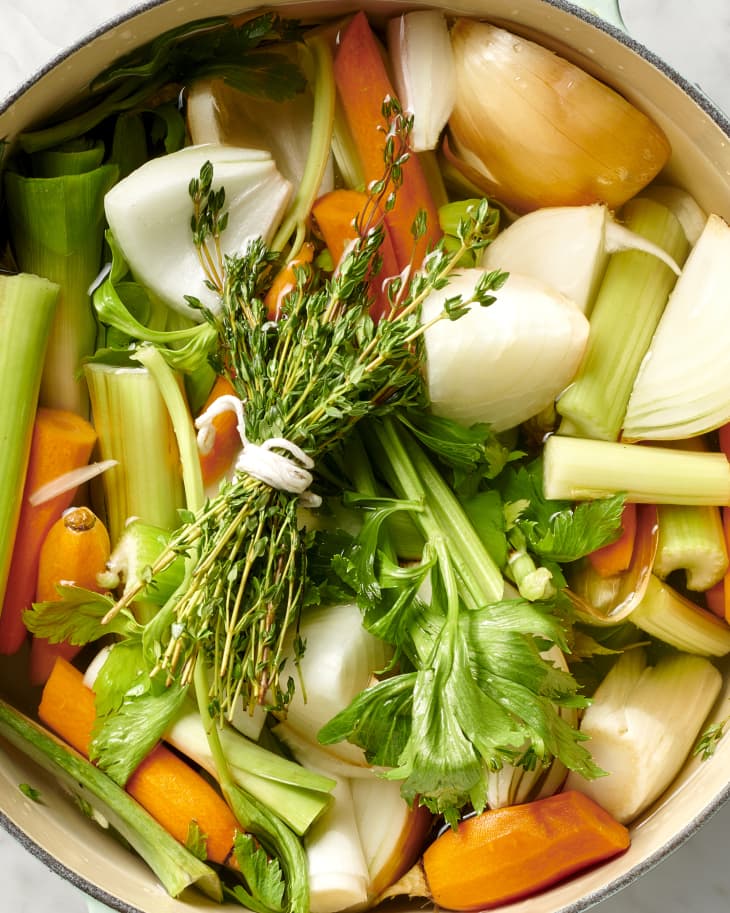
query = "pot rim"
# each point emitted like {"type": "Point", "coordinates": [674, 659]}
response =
{"type": "Point", "coordinates": [722, 120]}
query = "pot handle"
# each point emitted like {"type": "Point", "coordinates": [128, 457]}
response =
{"type": "Point", "coordinates": [608, 10]}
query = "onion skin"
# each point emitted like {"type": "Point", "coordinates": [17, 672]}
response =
{"type": "Point", "coordinates": [535, 130]}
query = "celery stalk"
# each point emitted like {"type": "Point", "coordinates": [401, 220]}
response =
{"type": "Point", "coordinates": [27, 306]}
{"type": "Point", "coordinates": [176, 868]}
{"type": "Point", "coordinates": [671, 618]}
{"type": "Point", "coordinates": [691, 538]}
{"type": "Point", "coordinates": [581, 469]}
{"type": "Point", "coordinates": [134, 428]}
{"type": "Point", "coordinates": [631, 299]}
{"type": "Point", "coordinates": [57, 231]}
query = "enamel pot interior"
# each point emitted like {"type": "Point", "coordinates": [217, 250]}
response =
{"type": "Point", "coordinates": [700, 136]}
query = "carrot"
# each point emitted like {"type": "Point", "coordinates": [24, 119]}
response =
{"type": "Point", "coordinates": [363, 85]}
{"type": "Point", "coordinates": [335, 214]}
{"type": "Point", "coordinates": [718, 596]}
{"type": "Point", "coordinates": [507, 853]}
{"type": "Point", "coordinates": [75, 550]}
{"type": "Point", "coordinates": [227, 441]}
{"type": "Point", "coordinates": [615, 558]}
{"type": "Point", "coordinates": [164, 784]}
{"type": "Point", "coordinates": [285, 280]}
{"type": "Point", "coordinates": [61, 441]}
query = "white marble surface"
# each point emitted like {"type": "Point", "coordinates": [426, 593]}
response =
{"type": "Point", "coordinates": [694, 38]}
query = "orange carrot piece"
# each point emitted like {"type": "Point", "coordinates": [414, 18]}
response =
{"type": "Point", "coordinates": [718, 597]}
{"type": "Point", "coordinates": [615, 558]}
{"type": "Point", "coordinates": [363, 85]}
{"type": "Point", "coordinates": [335, 214]}
{"type": "Point", "coordinates": [75, 550]}
{"type": "Point", "coordinates": [285, 280]}
{"type": "Point", "coordinates": [61, 441]}
{"type": "Point", "coordinates": [723, 435]}
{"type": "Point", "coordinates": [164, 784]}
{"type": "Point", "coordinates": [217, 461]}
{"type": "Point", "coordinates": [507, 853]}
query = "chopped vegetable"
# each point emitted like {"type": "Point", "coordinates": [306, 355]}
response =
{"type": "Point", "coordinates": [341, 216]}
{"type": "Point", "coordinates": [568, 248]}
{"type": "Point", "coordinates": [74, 552]}
{"type": "Point", "coordinates": [692, 539]}
{"type": "Point", "coordinates": [363, 86]}
{"type": "Point", "coordinates": [636, 283]}
{"type": "Point", "coordinates": [423, 72]}
{"type": "Point", "coordinates": [222, 442]}
{"type": "Point", "coordinates": [642, 723]}
{"type": "Point", "coordinates": [615, 558]}
{"type": "Point", "coordinates": [60, 442]}
{"type": "Point", "coordinates": [27, 306]}
{"type": "Point", "coordinates": [176, 868]}
{"type": "Point", "coordinates": [134, 429]}
{"type": "Point", "coordinates": [167, 787]}
{"type": "Point", "coordinates": [534, 130]}
{"type": "Point", "coordinates": [579, 468]}
{"type": "Point", "coordinates": [509, 853]}
{"type": "Point", "coordinates": [507, 360]}
{"type": "Point", "coordinates": [681, 388]}
{"type": "Point", "coordinates": [670, 617]}
{"type": "Point", "coordinates": [57, 226]}
{"type": "Point", "coordinates": [149, 214]}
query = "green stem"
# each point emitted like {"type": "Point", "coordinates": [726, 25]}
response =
{"type": "Point", "coordinates": [413, 477]}
{"type": "Point", "coordinates": [319, 149]}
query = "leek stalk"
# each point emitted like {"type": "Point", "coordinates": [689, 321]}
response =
{"type": "Point", "coordinates": [581, 469]}
{"type": "Point", "coordinates": [297, 795]}
{"type": "Point", "coordinates": [134, 428]}
{"type": "Point", "coordinates": [175, 867]}
{"type": "Point", "coordinates": [629, 304]}
{"type": "Point", "coordinates": [27, 306]}
{"type": "Point", "coordinates": [57, 231]}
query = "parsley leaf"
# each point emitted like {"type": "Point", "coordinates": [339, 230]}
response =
{"type": "Point", "coordinates": [263, 876]}
{"type": "Point", "coordinates": [76, 617]}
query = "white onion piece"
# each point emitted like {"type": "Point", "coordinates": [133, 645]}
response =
{"type": "Point", "coordinates": [504, 363]}
{"type": "Point", "coordinates": [69, 480]}
{"type": "Point", "coordinates": [95, 666]}
{"type": "Point", "coordinates": [149, 212]}
{"type": "Point", "coordinates": [338, 663]}
{"type": "Point", "coordinates": [683, 385]}
{"type": "Point", "coordinates": [423, 73]}
{"type": "Point", "coordinates": [567, 247]}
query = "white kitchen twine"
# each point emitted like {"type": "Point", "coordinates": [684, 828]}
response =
{"type": "Point", "coordinates": [285, 473]}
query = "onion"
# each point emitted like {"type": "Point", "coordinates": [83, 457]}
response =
{"type": "Point", "coordinates": [683, 385]}
{"type": "Point", "coordinates": [149, 213]}
{"type": "Point", "coordinates": [504, 363]}
{"type": "Point", "coordinates": [535, 130]}
{"type": "Point", "coordinates": [423, 73]}
{"type": "Point", "coordinates": [567, 247]}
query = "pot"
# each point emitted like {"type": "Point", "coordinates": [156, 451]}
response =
{"type": "Point", "coordinates": [700, 137]}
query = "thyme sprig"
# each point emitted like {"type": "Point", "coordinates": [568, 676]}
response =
{"type": "Point", "coordinates": [309, 377]}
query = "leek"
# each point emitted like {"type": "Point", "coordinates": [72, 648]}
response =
{"type": "Point", "coordinates": [299, 796]}
{"type": "Point", "coordinates": [691, 539]}
{"type": "Point", "coordinates": [134, 428]}
{"type": "Point", "coordinates": [581, 469]}
{"type": "Point", "coordinates": [668, 616]}
{"type": "Point", "coordinates": [57, 231]}
{"type": "Point", "coordinates": [175, 867]}
{"type": "Point", "coordinates": [627, 310]}
{"type": "Point", "coordinates": [27, 306]}
{"type": "Point", "coordinates": [642, 724]}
